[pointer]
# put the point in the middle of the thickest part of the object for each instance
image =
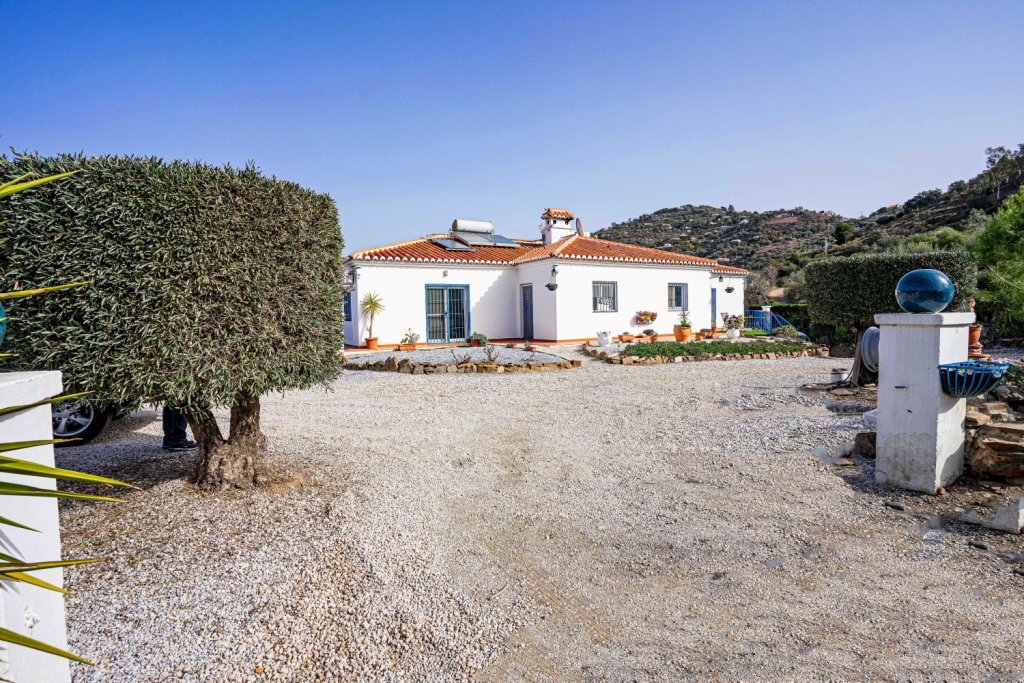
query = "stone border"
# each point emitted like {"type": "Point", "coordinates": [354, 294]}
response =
{"type": "Point", "coordinates": [406, 366]}
{"type": "Point", "coordinates": [619, 359]}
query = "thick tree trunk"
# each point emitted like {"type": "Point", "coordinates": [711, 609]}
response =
{"type": "Point", "coordinates": [231, 463]}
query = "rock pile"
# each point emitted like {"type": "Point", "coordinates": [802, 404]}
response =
{"type": "Point", "coordinates": [995, 438]}
{"type": "Point", "coordinates": [392, 364]}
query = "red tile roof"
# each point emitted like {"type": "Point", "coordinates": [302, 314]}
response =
{"type": "Point", "coordinates": [556, 213]}
{"type": "Point", "coordinates": [730, 269]}
{"type": "Point", "coordinates": [572, 247]}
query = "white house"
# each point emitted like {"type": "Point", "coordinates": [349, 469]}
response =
{"type": "Point", "coordinates": [566, 286]}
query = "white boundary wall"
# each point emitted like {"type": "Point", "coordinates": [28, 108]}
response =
{"type": "Point", "coordinates": [29, 610]}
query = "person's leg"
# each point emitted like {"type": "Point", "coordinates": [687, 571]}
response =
{"type": "Point", "coordinates": [175, 426]}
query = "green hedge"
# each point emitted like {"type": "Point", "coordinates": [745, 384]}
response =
{"type": "Point", "coordinates": [711, 348]}
{"type": "Point", "coordinates": [851, 290]}
{"type": "Point", "coordinates": [208, 283]}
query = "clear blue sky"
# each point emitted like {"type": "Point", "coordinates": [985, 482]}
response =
{"type": "Point", "coordinates": [412, 114]}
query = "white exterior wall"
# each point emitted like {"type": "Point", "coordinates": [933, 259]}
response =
{"type": "Point", "coordinates": [493, 293]}
{"type": "Point", "coordinates": [728, 303]}
{"type": "Point", "coordinates": [545, 302]}
{"type": "Point", "coordinates": [641, 287]}
{"type": "Point", "coordinates": [25, 609]}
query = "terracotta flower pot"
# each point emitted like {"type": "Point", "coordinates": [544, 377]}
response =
{"type": "Point", "coordinates": [371, 342]}
{"type": "Point", "coordinates": [626, 338]}
{"type": "Point", "coordinates": [682, 334]}
{"type": "Point", "coordinates": [652, 338]}
{"type": "Point", "coordinates": [406, 347]}
{"type": "Point", "coordinates": [474, 342]}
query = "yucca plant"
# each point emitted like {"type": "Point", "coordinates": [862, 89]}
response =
{"type": "Point", "coordinates": [371, 305]}
{"type": "Point", "coordinates": [13, 568]}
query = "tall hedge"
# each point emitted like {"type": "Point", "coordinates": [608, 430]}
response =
{"type": "Point", "coordinates": [851, 290]}
{"type": "Point", "coordinates": [210, 286]}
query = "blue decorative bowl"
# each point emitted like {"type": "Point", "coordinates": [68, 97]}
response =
{"type": "Point", "coordinates": [971, 377]}
{"type": "Point", "coordinates": [924, 291]}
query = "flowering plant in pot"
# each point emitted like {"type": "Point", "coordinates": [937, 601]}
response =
{"type": "Point", "coordinates": [478, 339]}
{"type": "Point", "coordinates": [371, 305]}
{"type": "Point", "coordinates": [408, 342]}
{"type": "Point", "coordinates": [626, 336]}
{"type": "Point", "coordinates": [682, 328]}
{"type": "Point", "coordinates": [645, 317]}
{"type": "Point", "coordinates": [733, 325]}
{"type": "Point", "coordinates": [604, 338]}
{"type": "Point", "coordinates": [651, 334]}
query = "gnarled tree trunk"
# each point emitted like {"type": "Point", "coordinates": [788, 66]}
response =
{"type": "Point", "coordinates": [228, 463]}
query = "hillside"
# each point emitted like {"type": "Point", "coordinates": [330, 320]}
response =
{"type": "Point", "coordinates": [754, 239]}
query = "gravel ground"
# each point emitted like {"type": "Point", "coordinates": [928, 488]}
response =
{"type": "Point", "coordinates": [614, 523]}
{"type": "Point", "coordinates": [473, 354]}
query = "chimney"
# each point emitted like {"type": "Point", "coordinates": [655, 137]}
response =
{"type": "Point", "coordinates": [555, 225]}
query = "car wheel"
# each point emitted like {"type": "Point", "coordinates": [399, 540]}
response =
{"type": "Point", "coordinates": [80, 421]}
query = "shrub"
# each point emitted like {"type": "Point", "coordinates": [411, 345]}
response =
{"type": "Point", "coordinates": [753, 333]}
{"type": "Point", "coordinates": [851, 290]}
{"type": "Point", "coordinates": [785, 331]}
{"type": "Point", "coordinates": [210, 286]}
{"type": "Point", "coordinates": [1000, 248]}
{"type": "Point", "coordinates": [711, 348]}
{"type": "Point", "coordinates": [798, 314]}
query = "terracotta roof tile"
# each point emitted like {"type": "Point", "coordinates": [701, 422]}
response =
{"type": "Point", "coordinates": [730, 269]}
{"type": "Point", "coordinates": [572, 247]}
{"type": "Point", "coordinates": [556, 213]}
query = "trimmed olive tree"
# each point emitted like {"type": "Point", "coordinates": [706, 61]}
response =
{"type": "Point", "coordinates": [210, 287]}
{"type": "Point", "coordinates": [849, 291]}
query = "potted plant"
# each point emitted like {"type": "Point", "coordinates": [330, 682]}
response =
{"type": "Point", "coordinates": [626, 336]}
{"type": "Point", "coordinates": [682, 329]}
{"type": "Point", "coordinates": [371, 305]}
{"type": "Point", "coordinates": [704, 333]}
{"type": "Point", "coordinates": [733, 325]}
{"type": "Point", "coordinates": [552, 286]}
{"type": "Point", "coordinates": [645, 317]}
{"type": "Point", "coordinates": [651, 334]}
{"type": "Point", "coordinates": [604, 338]}
{"type": "Point", "coordinates": [478, 339]}
{"type": "Point", "coordinates": [408, 342]}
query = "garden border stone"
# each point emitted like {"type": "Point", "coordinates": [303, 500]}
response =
{"type": "Point", "coordinates": [618, 359]}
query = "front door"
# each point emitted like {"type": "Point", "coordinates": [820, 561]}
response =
{"type": "Point", "coordinates": [447, 313]}
{"type": "Point", "coordinates": [527, 312]}
{"type": "Point", "coordinates": [714, 307]}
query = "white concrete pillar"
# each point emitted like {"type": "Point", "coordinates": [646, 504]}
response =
{"type": "Point", "coordinates": [920, 440]}
{"type": "Point", "coordinates": [29, 610]}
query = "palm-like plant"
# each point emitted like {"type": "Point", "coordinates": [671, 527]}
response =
{"type": "Point", "coordinates": [12, 568]}
{"type": "Point", "coordinates": [371, 305]}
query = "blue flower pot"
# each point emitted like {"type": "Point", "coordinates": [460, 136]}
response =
{"type": "Point", "coordinates": [924, 291]}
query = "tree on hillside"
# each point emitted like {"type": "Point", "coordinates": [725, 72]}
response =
{"type": "Point", "coordinates": [850, 291]}
{"type": "Point", "coordinates": [1000, 250]}
{"type": "Point", "coordinates": [842, 233]}
{"type": "Point", "coordinates": [210, 287]}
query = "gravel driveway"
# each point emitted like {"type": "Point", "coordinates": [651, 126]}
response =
{"type": "Point", "coordinates": [608, 524]}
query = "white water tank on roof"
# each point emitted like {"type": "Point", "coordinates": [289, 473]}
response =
{"type": "Point", "coordinates": [462, 225]}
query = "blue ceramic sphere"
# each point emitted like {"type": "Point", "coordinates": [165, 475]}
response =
{"type": "Point", "coordinates": [924, 291]}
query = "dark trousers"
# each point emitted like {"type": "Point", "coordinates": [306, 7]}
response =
{"type": "Point", "coordinates": [175, 425]}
